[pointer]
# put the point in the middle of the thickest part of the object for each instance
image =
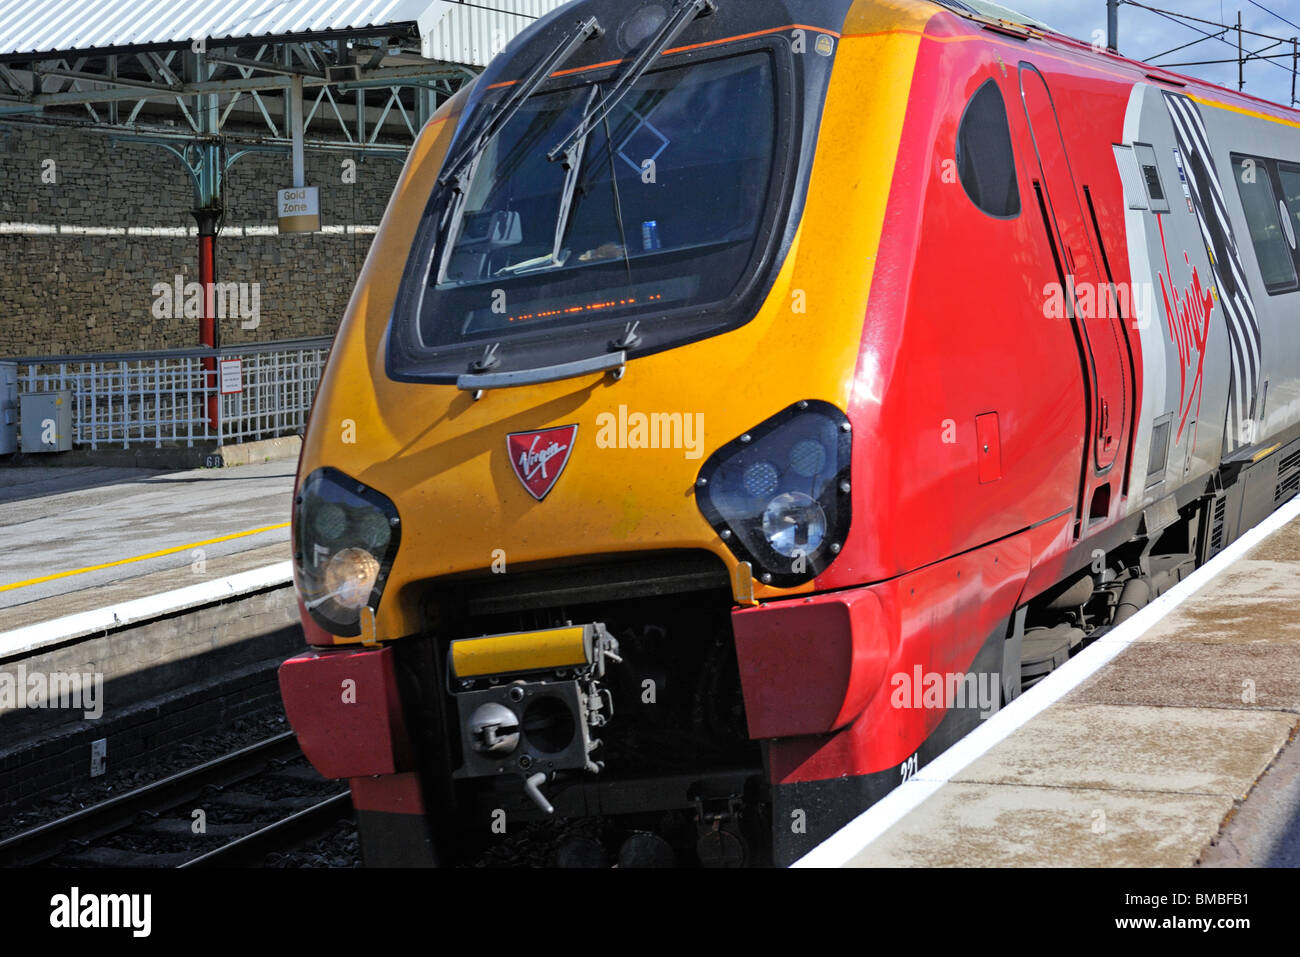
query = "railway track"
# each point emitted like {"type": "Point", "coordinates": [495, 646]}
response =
{"type": "Point", "coordinates": [230, 811]}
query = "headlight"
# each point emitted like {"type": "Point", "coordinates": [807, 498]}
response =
{"type": "Point", "coordinates": [793, 523]}
{"type": "Point", "coordinates": [345, 539]}
{"type": "Point", "coordinates": [350, 577]}
{"type": "Point", "coordinates": [779, 495]}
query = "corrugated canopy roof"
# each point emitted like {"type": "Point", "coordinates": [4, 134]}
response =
{"type": "Point", "coordinates": [63, 26]}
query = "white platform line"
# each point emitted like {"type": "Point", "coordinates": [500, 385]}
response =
{"type": "Point", "coordinates": [846, 843]}
{"type": "Point", "coordinates": [31, 638]}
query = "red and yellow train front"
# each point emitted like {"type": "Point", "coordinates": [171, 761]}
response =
{"type": "Point", "coordinates": [596, 520]}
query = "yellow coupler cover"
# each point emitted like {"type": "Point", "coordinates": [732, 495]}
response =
{"type": "Point", "coordinates": [522, 651]}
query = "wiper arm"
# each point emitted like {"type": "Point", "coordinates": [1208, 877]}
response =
{"type": "Point", "coordinates": [542, 263]}
{"type": "Point", "coordinates": [457, 169]}
{"type": "Point", "coordinates": [570, 185]}
{"type": "Point", "coordinates": [558, 256]}
{"type": "Point", "coordinates": [671, 29]}
{"type": "Point", "coordinates": [568, 370]}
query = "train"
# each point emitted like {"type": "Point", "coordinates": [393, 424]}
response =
{"type": "Point", "coordinates": [742, 401]}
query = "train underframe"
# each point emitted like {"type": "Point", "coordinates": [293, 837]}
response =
{"type": "Point", "coordinates": [664, 771]}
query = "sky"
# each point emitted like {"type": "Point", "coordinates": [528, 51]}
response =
{"type": "Point", "coordinates": [1143, 35]}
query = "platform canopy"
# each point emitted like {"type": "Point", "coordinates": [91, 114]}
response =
{"type": "Point", "coordinates": [449, 30]}
{"type": "Point", "coordinates": [366, 73]}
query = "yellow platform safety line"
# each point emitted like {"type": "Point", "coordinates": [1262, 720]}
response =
{"type": "Point", "coordinates": [142, 558]}
{"type": "Point", "coordinates": [523, 651]}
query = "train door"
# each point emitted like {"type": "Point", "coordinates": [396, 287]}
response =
{"type": "Point", "coordinates": [1099, 330]}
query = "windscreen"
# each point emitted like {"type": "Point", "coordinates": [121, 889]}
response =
{"type": "Point", "coordinates": [658, 208]}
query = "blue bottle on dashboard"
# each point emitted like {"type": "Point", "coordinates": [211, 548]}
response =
{"type": "Point", "coordinates": [650, 235]}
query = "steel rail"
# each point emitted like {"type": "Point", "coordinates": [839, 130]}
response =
{"type": "Point", "coordinates": [48, 840]}
{"type": "Point", "coordinates": [283, 834]}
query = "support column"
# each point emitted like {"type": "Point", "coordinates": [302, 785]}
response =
{"type": "Point", "coordinates": [209, 220]}
{"type": "Point", "coordinates": [1295, 65]}
{"type": "Point", "coordinates": [1241, 57]}
{"type": "Point", "coordinates": [207, 212]}
{"type": "Point", "coordinates": [295, 117]}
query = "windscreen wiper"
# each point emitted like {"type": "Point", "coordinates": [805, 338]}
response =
{"type": "Point", "coordinates": [671, 29]}
{"type": "Point", "coordinates": [458, 168]}
{"type": "Point", "coordinates": [479, 383]}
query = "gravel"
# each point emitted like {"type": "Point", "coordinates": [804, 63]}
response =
{"type": "Point", "coordinates": [339, 848]}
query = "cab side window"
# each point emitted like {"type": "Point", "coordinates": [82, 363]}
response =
{"type": "Point", "coordinates": [1289, 176]}
{"type": "Point", "coordinates": [986, 161]}
{"type": "Point", "coordinates": [1271, 228]}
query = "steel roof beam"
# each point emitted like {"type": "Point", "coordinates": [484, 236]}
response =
{"type": "Point", "coordinates": [112, 80]}
{"type": "Point", "coordinates": [264, 65]}
{"type": "Point", "coordinates": [15, 85]}
{"type": "Point", "coordinates": [279, 144]}
{"type": "Point", "coordinates": [391, 76]}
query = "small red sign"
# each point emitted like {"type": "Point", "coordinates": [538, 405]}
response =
{"type": "Point", "coordinates": [538, 458]}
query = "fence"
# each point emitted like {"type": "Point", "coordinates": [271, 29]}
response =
{"type": "Point", "coordinates": [161, 398]}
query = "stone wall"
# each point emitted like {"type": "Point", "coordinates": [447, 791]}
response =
{"type": "Point", "coordinates": [79, 257]}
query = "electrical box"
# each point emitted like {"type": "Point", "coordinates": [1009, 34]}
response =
{"type": "Point", "coordinates": [8, 408]}
{"type": "Point", "coordinates": [47, 421]}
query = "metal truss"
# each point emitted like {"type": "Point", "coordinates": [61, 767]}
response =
{"type": "Point", "coordinates": [361, 93]}
{"type": "Point", "coordinates": [212, 103]}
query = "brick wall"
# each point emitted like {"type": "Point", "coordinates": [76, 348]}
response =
{"type": "Point", "coordinates": [79, 257]}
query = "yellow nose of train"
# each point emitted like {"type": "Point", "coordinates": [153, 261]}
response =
{"type": "Point", "coordinates": [595, 465]}
{"type": "Point", "coordinates": [591, 398]}
{"type": "Point", "coordinates": [591, 467]}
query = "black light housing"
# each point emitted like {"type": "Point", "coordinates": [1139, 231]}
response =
{"type": "Point", "coordinates": [345, 539]}
{"type": "Point", "coordinates": [779, 495]}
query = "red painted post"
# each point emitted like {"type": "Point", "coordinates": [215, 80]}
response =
{"type": "Point", "coordinates": [208, 322]}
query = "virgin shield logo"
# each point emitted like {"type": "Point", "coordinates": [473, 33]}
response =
{"type": "Point", "coordinates": [538, 458]}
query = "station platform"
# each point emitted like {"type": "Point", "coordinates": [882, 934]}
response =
{"type": "Point", "coordinates": [73, 539]}
{"type": "Point", "coordinates": [168, 593]}
{"type": "Point", "coordinates": [1169, 742]}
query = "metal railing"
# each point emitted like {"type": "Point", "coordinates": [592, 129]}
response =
{"type": "Point", "coordinates": [161, 398]}
{"type": "Point", "coordinates": [278, 386]}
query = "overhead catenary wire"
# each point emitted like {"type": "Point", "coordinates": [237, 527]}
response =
{"type": "Point", "coordinates": [1243, 56]}
{"type": "Point", "coordinates": [1295, 46]}
{"type": "Point", "coordinates": [1175, 15]}
{"type": "Point", "coordinates": [1184, 46]}
{"type": "Point", "coordinates": [1271, 13]}
{"type": "Point", "coordinates": [1253, 55]}
{"type": "Point", "coordinates": [1248, 58]}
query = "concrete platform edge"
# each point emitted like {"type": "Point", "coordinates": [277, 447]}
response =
{"type": "Point", "coordinates": [840, 849]}
{"type": "Point", "coordinates": [197, 457]}
{"type": "Point", "coordinates": [24, 641]}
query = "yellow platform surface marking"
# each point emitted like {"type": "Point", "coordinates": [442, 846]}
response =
{"type": "Point", "coordinates": [141, 558]}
